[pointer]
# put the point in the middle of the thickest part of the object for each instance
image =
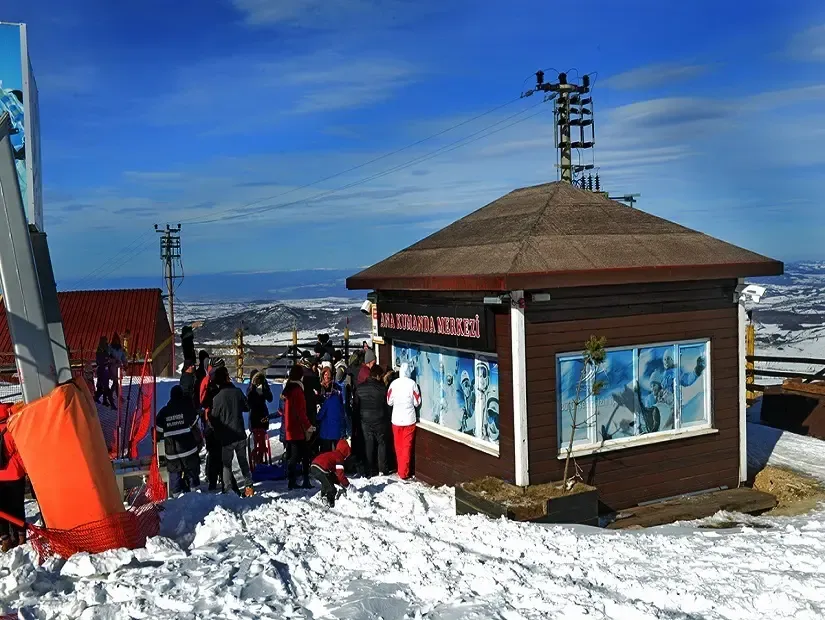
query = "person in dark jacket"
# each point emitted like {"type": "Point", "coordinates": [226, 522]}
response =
{"type": "Point", "coordinates": [188, 381]}
{"type": "Point", "coordinates": [102, 359]}
{"type": "Point", "coordinates": [328, 469]}
{"type": "Point", "coordinates": [258, 395]}
{"type": "Point", "coordinates": [371, 403]}
{"type": "Point", "coordinates": [323, 347]}
{"type": "Point", "coordinates": [312, 395]}
{"type": "Point", "coordinates": [297, 427]}
{"type": "Point", "coordinates": [369, 362]}
{"type": "Point", "coordinates": [351, 382]}
{"type": "Point", "coordinates": [226, 417]}
{"type": "Point", "coordinates": [207, 389]}
{"type": "Point", "coordinates": [177, 427]}
{"type": "Point", "coordinates": [332, 418]}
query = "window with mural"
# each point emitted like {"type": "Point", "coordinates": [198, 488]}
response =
{"type": "Point", "coordinates": [644, 390]}
{"type": "Point", "coordinates": [459, 389]}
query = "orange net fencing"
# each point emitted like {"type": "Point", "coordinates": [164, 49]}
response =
{"type": "Point", "coordinates": [62, 446]}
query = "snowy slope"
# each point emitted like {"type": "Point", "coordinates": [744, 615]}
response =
{"type": "Point", "coordinates": [397, 550]}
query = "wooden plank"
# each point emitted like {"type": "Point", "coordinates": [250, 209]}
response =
{"type": "Point", "coordinates": [631, 310]}
{"type": "Point", "coordinates": [628, 498]}
{"type": "Point", "coordinates": [744, 500]}
{"type": "Point", "coordinates": [641, 288]}
{"type": "Point", "coordinates": [804, 389]}
{"type": "Point", "coordinates": [787, 360]}
{"type": "Point", "coordinates": [785, 374]}
{"type": "Point", "coordinates": [625, 297]}
{"type": "Point", "coordinates": [537, 328]}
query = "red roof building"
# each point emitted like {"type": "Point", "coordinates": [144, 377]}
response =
{"type": "Point", "coordinates": [137, 315]}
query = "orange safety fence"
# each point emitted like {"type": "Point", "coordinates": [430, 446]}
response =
{"type": "Point", "coordinates": [63, 450]}
{"type": "Point", "coordinates": [61, 443]}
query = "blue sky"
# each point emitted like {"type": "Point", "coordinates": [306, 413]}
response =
{"type": "Point", "coordinates": [222, 110]}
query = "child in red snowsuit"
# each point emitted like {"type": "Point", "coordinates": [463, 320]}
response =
{"type": "Point", "coordinates": [328, 469]}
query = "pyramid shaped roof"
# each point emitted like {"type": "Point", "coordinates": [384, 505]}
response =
{"type": "Point", "coordinates": [556, 235]}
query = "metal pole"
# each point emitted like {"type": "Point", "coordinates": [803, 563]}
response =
{"type": "Point", "coordinates": [18, 277]}
{"type": "Point", "coordinates": [51, 305]}
{"type": "Point", "coordinates": [170, 288]}
{"type": "Point", "coordinates": [565, 152]}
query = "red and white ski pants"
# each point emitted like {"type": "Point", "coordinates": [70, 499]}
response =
{"type": "Point", "coordinates": [403, 437]}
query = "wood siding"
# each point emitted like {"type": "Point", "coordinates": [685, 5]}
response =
{"type": "Point", "coordinates": [632, 475]}
{"type": "Point", "coordinates": [439, 460]}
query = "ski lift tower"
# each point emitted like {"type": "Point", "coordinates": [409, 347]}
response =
{"type": "Point", "coordinates": [29, 289]}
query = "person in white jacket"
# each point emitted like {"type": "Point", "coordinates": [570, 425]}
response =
{"type": "Point", "coordinates": [404, 397]}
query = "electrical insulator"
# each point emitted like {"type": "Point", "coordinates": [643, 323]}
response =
{"type": "Point", "coordinates": [539, 77]}
{"type": "Point", "coordinates": [562, 78]}
{"type": "Point", "coordinates": [598, 183]}
{"type": "Point", "coordinates": [590, 182]}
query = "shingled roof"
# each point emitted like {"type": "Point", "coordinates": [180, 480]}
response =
{"type": "Point", "coordinates": [556, 235]}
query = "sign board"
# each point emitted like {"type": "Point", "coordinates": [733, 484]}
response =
{"type": "Point", "coordinates": [18, 97]}
{"type": "Point", "coordinates": [446, 325]}
{"type": "Point", "coordinates": [376, 338]}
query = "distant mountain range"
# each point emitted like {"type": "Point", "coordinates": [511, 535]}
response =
{"type": "Point", "coordinates": [237, 287]}
{"type": "Point", "coordinates": [267, 322]}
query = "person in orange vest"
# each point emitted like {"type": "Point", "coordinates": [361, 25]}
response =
{"type": "Point", "coordinates": [12, 485]}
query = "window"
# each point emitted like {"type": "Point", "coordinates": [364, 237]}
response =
{"type": "Point", "coordinates": [654, 390]}
{"type": "Point", "coordinates": [459, 390]}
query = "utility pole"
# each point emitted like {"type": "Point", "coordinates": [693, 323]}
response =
{"type": "Point", "coordinates": [570, 111]}
{"type": "Point", "coordinates": [170, 255]}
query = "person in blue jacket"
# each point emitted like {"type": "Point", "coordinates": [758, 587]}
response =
{"type": "Point", "coordinates": [332, 417]}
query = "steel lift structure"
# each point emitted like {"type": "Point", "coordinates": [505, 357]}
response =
{"type": "Point", "coordinates": [28, 285]}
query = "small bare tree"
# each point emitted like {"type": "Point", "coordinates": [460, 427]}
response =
{"type": "Point", "coordinates": [592, 357]}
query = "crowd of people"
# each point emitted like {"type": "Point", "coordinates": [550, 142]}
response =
{"type": "Point", "coordinates": [338, 417]}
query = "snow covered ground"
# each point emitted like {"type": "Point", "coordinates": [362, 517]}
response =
{"type": "Point", "coordinates": [390, 549]}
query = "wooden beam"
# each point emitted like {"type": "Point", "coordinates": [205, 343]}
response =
{"type": "Point", "coordinates": [743, 499]}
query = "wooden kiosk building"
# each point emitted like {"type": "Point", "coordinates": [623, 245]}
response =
{"type": "Point", "coordinates": [493, 312]}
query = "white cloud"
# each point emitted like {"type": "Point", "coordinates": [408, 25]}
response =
{"type": "Point", "coordinates": [809, 44]}
{"type": "Point", "coordinates": [655, 75]}
{"type": "Point", "coordinates": [143, 176]}
{"type": "Point", "coordinates": [328, 14]}
{"type": "Point", "coordinates": [247, 93]}
{"type": "Point", "coordinates": [682, 154]}
{"type": "Point", "coordinates": [70, 81]}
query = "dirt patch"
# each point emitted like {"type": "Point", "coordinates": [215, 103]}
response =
{"type": "Point", "coordinates": [795, 493]}
{"type": "Point", "coordinates": [525, 502]}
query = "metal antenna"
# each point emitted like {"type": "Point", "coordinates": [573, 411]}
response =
{"type": "Point", "coordinates": [571, 110]}
{"type": "Point", "coordinates": [170, 254]}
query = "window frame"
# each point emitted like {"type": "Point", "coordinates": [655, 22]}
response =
{"type": "Point", "coordinates": [594, 445]}
{"type": "Point", "coordinates": [471, 441]}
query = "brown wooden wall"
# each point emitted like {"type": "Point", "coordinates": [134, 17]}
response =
{"type": "Point", "coordinates": [629, 476]}
{"type": "Point", "coordinates": [439, 460]}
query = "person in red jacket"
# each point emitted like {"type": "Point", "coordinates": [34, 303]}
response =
{"type": "Point", "coordinates": [328, 469]}
{"type": "Point", "coordinates": [297, 427]}
{"type": "Point", "coordinates": [12, 485]}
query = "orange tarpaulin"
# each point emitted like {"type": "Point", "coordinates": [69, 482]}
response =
{"type": "Point", "coordinates": [64, 452]}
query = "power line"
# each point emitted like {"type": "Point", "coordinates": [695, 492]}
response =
{"type": "Point", "coordinates": [129, 251]}
{"type": "Point", "coordinates": [233, 213]}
